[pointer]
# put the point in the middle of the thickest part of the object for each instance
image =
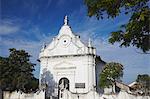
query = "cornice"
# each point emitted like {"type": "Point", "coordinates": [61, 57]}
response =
{"type": "Point", "coordinates": [65, 56]}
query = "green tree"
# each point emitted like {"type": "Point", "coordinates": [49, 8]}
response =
{"type": "Point", "coordinates": [144, 80]}
{"type": "Point", "coordinates": [16, 72]}
{"type": "Point", "coordinates": [136, 32]}
{"type": "Point", "coordinates": [111, 70]}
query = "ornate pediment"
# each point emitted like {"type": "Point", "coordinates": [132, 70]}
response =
{"type": "Point", "coordinates": [64, 65]}
{"type": "Point", "coordinates": [66, 43]}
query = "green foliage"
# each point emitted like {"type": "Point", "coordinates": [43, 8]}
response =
{"type": "Point", "coordinates": [144, 80]}
{"type": "Point", "coordinates": [16, 72]}
{"type": "Point", "coordinates": [136, 32]}
{"type": "Point", "coordinates": [111, 70]}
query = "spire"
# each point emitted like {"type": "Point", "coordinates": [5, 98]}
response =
{"type": "Point", "coordinates": [89, 43]}
{"type": "Point", "coordinates": [66, 20]}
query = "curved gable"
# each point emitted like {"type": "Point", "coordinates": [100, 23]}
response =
{"type": "Point", "coordinates": [65, 43]}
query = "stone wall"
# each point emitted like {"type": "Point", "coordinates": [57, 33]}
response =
{"type": "Point", "coordinates": [19, 95]}
{"type": "Point", "coordinates": [90, 95]}
{"type": "Point", "coordinates": [95, 95]}
{"type": "Point", "coordinates": [123, 95]}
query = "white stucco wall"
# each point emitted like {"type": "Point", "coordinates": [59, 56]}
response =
{"type": "Point", "coordinates": [19, 95]}
{"type": "Point", "coordinates": [78, 69]}
{"type": "Point", "coordinates": [95, 95]}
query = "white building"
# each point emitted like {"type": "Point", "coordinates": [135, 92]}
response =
{"type": "Point", "coordinates": [67, 63]}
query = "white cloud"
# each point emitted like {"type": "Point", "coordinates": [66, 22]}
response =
{"type": "Point", "coordinates": [8, 27]}
{"type": "Point", "coordinates": [134, 63]}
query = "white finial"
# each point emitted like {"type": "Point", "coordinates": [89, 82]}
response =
{"type": "Point", "coordinates": [44, 45]}
{"type": "Point", "coordinates": [89, 43]}
{"type": "Point", "coordinates": [66, 20]}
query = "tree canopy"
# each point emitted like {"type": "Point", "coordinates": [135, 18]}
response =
{"type": "Point", "coordinates": [144, 80]}
{"type": "Point", "coordinates": [136, 32]}
{"type": "Point", "coordinates": [16, 72]}
{"type": "Point", "coordinates": [110, 70]}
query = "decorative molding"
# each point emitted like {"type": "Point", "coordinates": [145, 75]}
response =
{"type": "Point", "coordinates": [61, 68]}
{"type": "Point", "coordinates": [63, 62]}
{"type": "Point", "coordinates": [60, 56]}
{"type": "Point", "coordinates": [60, 73]}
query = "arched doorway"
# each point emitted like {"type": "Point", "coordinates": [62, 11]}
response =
{"type": "Point", "coordinates": [62, 84]}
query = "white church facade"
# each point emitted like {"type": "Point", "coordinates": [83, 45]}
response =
{"type": "Point", "coordinates": [69, 64]}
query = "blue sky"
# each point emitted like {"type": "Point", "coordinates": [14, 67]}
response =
{"type": "Point", "coordinates": [27, 24]}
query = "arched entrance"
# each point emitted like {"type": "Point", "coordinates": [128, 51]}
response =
{"type": "Point", "coordinates": [62, 84]}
